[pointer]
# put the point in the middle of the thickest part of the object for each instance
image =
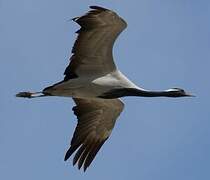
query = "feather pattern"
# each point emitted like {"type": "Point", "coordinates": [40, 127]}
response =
{"type": "Point", "coordinates": [96, 119]}
{"type": "Point", "coordinates": [92, 50]}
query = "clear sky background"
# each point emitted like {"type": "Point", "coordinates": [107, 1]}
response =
{"type": "Point", "coordinates": [166, 44]}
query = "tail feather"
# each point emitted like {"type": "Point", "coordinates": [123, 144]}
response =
{"type": "Point", "coordinates": [30, 94]}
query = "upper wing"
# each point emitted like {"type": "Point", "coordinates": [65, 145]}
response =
{"type": "Point", "coordinates": [96, 119]}
{"type": "Point", "coordinates": [92, 51]}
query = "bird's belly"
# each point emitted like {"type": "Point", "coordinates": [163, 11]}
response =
{"type": "Point", "coordinates": [84, 90]}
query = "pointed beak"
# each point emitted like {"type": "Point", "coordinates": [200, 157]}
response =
{"type": "Point", "coordinates": [190, 95]}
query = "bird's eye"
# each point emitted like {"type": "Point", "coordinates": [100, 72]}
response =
{"type": "Point", "coordinates": [182, 90]}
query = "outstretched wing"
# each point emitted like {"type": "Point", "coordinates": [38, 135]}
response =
{"type": "Point", "coordinates": [92, 51]}
{"type": "Point", "coordinates": [96, 119]}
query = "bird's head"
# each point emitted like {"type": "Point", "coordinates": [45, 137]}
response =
{"type": "Point", "coordinates": [178, 92]}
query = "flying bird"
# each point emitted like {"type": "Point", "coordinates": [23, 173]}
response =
{"type": "Point", "coordinates": [95, 84]}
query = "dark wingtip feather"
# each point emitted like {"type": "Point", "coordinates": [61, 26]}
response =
{"type": "Point", "coordinates": [83, 156]}
{"type": "Point", "coordinates": [67, 156]}
{"type": "Point", "coordinates": [78, 154]}
{"type": "Point", "coordinates": [85, 168]}
{"type": "Point", "coordinates": [91, 156]}
{"type": "Point", "coordinates": [98, 8]}
{"type": "Point", "coordinates": [70, 152]}
{"type": "Point", "coordinates": [75, 19]}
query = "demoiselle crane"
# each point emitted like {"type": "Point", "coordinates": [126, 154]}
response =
{"type": "Point", "coordinates": [95, 84]}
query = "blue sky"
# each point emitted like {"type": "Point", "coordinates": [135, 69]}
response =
{"type": "Point", "coordinates": [166, 44]}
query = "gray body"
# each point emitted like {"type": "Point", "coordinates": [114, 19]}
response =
{"type": "Point", "coordinates": [91, 87]}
